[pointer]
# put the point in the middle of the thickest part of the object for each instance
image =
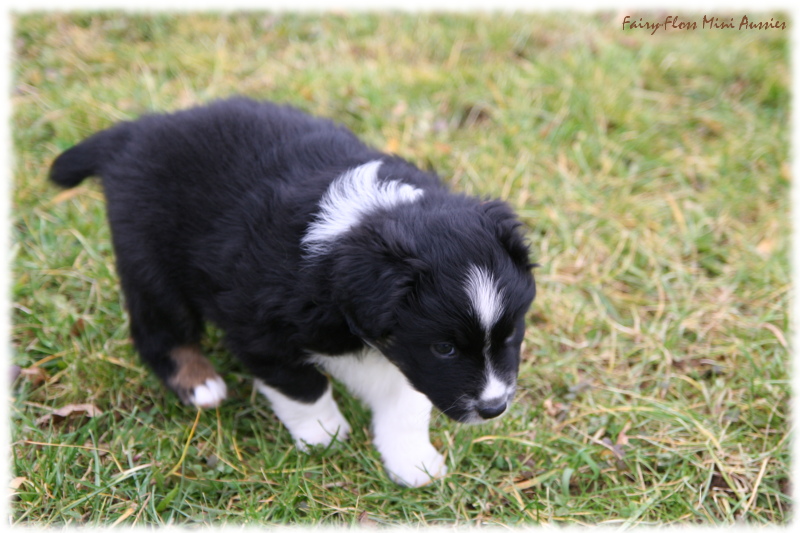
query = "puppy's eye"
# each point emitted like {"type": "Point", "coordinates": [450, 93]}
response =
{"type": "Point", "coordinates": [510, 338]}
{"type": "Point", "coordinates": [443, 349]}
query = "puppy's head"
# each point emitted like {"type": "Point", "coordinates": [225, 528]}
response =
{"type": "Point", "coordinates": [442, 290]}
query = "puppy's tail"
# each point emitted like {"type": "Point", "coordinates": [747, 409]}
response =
{"type": "Point", "coordinates": [89, 157]}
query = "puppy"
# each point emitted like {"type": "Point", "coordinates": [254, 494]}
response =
{"type": "Point", "coordinates": [315, 254]}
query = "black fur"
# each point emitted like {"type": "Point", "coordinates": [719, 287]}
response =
{"type": "Point", "coordinates": [208, 208]}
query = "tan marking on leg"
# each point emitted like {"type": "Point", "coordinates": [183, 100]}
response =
{"type": "Point", "coordinates": [193, 370]}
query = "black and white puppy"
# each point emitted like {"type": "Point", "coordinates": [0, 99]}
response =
{"type": "Point", "coordinates": [311, 251]}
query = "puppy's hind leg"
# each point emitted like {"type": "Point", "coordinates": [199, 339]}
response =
{"type": "Point", "coordinates": [194, 379]}
{"type": "Point", "coordinates": [166, 334]}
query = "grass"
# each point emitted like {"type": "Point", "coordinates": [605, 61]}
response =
{"type": "Point", "coordinates": [651, 170]}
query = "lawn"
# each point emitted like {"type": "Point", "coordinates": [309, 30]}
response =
{"type": "Point", "coordinates": [651, 171]}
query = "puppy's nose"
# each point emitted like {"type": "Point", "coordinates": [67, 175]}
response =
{"type": "Point", "coordinates": [491, 408]}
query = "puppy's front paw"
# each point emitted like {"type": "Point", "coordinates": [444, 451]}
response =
{"type": "Point", "coordinates": [310, 424]}
{"type": "Point", "coordinates": [320, 432]}
{"type": "Point", "coordinates": [415, 467]}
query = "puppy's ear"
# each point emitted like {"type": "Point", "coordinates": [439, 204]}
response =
{"type": "Point", "coordinates": [374, 271]}
{"type": "Point", "coordinates": [507, 228]}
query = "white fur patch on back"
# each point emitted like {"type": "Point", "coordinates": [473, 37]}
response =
{"type": "Point", "coordinates": [351, 196]}
{"type": "Point", "coordinates": [484, 295]}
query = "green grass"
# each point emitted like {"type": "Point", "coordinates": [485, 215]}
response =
{"type": "Point", "coordinates": [652, 172]}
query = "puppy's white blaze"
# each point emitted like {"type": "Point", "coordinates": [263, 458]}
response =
{"type": "Point", "coordinates": [352, 195]}
{"type": "Point", "coordinates": [485, 297]}
{"type": "Point", "coordinates": [494, 388]}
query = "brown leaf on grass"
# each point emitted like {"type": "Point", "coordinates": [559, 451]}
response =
{"type": "Point", "coordinates": [14, 486]}
{"type": "Point", "coordinates": [622, 438]}
{"type": "Point", "coordinates": [785, 486]}
{"type": "Point", "coordinates": [554, 409]}
{"type": "Point", "coordinates": [616, 452]}
{"type": "Point", "coordinates": [34, 374]}
{"type": "Point", "coordinates": [718, 482]}
{"type": "Point", "coordinates": [365, 521]}
{"type": "Point", "coordinates": [613, 449]}
{"type": "Point", "coordinates": [68, 411]}
{"type": "Point", "coordinates": [77, 328]}
{"type": "Point", "coordinates": [473, 114]}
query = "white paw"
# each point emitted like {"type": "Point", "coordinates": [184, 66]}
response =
{"type": "Point", "coordinates": [415, 468]}
{"type": "Point", "coordinates": [320, 432]}
{"type": "Point", "coordinates": [210, 394]}
{"type": "Point", "coordinates": [310, 424]}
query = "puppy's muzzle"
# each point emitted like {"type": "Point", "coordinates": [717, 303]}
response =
{"type": "Point", "coordinates": [491, 408]}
